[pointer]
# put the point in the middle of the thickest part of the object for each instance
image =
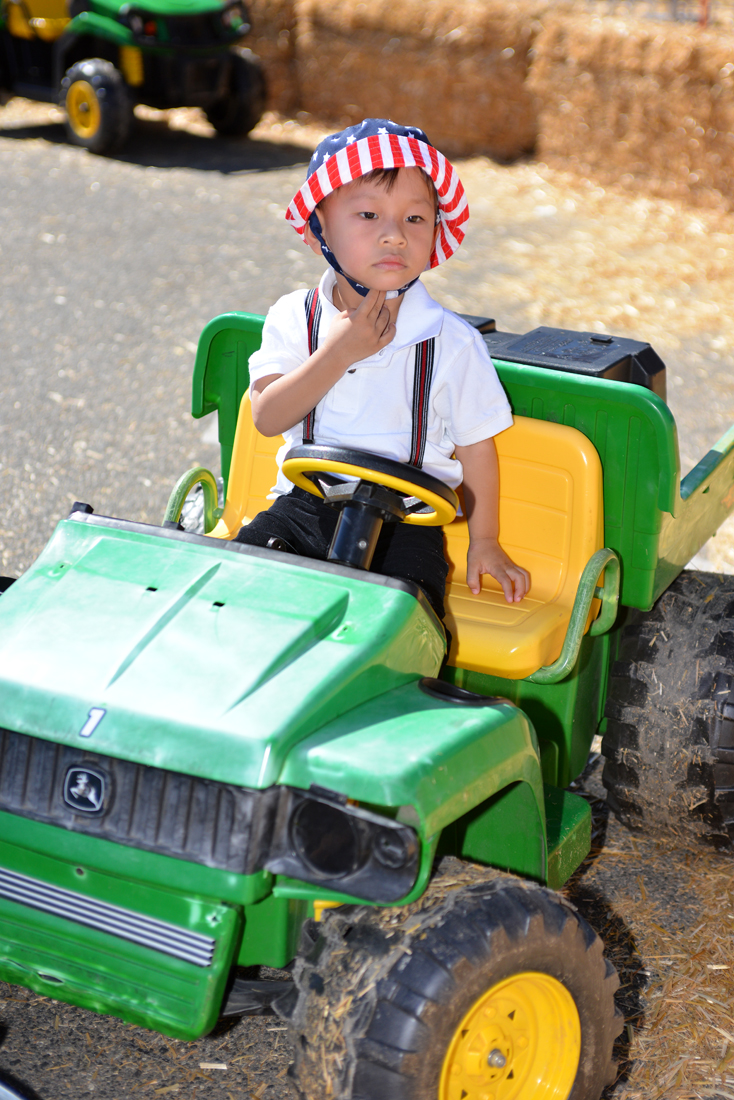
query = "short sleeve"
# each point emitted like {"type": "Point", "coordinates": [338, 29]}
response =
{"type": "Point", "coordinates": [284, 341]}
{"type": "Point", "coordinates": [468, 395]}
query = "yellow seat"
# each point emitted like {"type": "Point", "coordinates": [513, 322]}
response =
{"type": "Point", "coordinates": [44, 19]}
{"type": "Point", "coordinates": [252, 474]}
{"type": "Point", "coordinates": [551, 522]}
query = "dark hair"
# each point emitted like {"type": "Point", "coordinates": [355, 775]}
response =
{"type": "Point", "coordinates": [387, 178]}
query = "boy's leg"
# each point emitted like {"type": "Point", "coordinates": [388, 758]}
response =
{"type": "Point", "coordinates": [414, 554]}
{"type": "Point", "coordinates": [298, 517]}
{"type": "Point", "coordinates": [408, 552]}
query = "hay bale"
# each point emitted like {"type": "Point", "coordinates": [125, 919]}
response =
{"type": "Point", "coordinates": [636, 103]}
{"type": "Point", "coordinates": [273, 40]}
{"type": "Point", "coordinates": [458, 72]}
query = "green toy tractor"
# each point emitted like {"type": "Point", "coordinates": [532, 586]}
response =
{"type": "Point", "coordinates": [216, 756]}
{"type": "Point", "coordinates": [97, 59]}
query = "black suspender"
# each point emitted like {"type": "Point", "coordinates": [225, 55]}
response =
{"type": "Point", "coordinates": [313, 321]}
{"type": "Point", "coordinates": [422, 377]}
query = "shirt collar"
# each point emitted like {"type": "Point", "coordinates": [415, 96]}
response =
{"type": "Point", "coordinates": [420, 317]}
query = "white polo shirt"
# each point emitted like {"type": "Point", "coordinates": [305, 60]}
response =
{"type": "Point", "coordinates": [370, 407]}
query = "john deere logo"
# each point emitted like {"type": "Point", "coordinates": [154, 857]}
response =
{"type": "Point", "coordinates": [84, 790]}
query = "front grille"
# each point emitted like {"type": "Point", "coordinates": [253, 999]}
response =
{"type": "Point", "coordinates": [196, 30]}
{"type": "Point", "coordinates": [182, 943]}
{"type": "Point", "coordinates": [215, 824]}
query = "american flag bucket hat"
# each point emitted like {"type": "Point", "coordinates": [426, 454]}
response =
{"type": "Point", "coordinates": [380, 143]}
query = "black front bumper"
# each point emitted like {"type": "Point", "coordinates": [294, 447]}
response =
{"type": "Point", "coordinates": [184, 79]}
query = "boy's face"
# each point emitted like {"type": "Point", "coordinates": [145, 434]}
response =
{"type": "Point", "coordinates": [382, 239]}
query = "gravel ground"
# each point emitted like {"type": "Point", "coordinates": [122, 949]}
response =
{"type": "Point", "coordinates": [110, 268]}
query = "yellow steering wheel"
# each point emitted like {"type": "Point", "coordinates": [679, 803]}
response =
{"type": "Point", "coordinates": [310, 465]}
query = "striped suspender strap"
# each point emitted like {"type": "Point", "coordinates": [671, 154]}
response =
{"type": "Point", "coordinates": [313, 321]}
{"type": "Point", "coordinates": [424, 355]}
{"type": "Point", "coordinates": [422, 377]}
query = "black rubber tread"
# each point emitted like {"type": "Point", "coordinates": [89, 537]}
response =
{"type": "Point", "coordinates": [114, 100]}
{"type": "Point", "coordinates": [382, 991]}
{"type": "Point", "coordinates": [669, 742]}
{"type": "Point", "coordinates": [243, 108]}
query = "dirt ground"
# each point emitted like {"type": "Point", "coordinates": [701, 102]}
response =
{"type": "Point", "coordinates": [544, 247]}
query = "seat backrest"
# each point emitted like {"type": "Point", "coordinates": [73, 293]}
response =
{"type": "Point", "coordinates": [550, 508]}
{"type": "Point", "coordinates": [252, 474]}
{"type": "Point", "coordinates": [551, 522]}
{"type": "Point", "coordinates": [45, 19]}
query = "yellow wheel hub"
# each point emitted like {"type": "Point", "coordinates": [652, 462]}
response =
{"type": "Point", "coordinates": [520, 1041]}
{"type": "Point", "coordinates": [82, 107]}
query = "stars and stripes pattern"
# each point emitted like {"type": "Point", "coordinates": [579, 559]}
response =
{"type": "Point", "coordinates": [354, 152]}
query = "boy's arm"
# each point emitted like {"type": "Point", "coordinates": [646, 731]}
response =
{"type": "Point", "coordinates": [481, 500]}
{"type": "Point", "coordinates": [280, 400]}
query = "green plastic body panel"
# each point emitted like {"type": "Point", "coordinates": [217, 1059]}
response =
{"type": "Point", "coordinates": [568, 819]}
{"type": "Point", "coordinates": [565, 715]}
{"type": "Point", "coordinates": [101, 971]}
{"type": "Point", "coordinates": [221, 375]}
{"type": "Point", "coordinates": [706, 499]}
{"type": "Point", "coordinates": [111, 8]}
{"type": "Point", "coordinates": [438, 760]}
{"type": "Point", "coordinates": [98, 25]}
{"type": "Point", "coordinates": [272, 931]}
{"type": "Point", "coordinates": [123, 862]}
{"type": "Point", "coordinates": [206, 661]}
{"type": "Point", "coordinates": [103, 21]}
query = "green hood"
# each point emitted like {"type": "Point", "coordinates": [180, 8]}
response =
{"type": "Point", "coordinates": [159, 7]}
{"type": "Point", "coordinates": [204, 660]}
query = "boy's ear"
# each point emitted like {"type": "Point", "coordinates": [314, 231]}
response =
{"type": "Point", "coordinates": [310, 239]}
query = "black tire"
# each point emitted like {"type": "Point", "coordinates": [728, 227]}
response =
{"type": "Point", "coordinates": [5, 93]}
{"type": "Point", "coordinates": [382, 994]}
{"type": "Point", "coordinates": [98, 105]}
{"type": "Point", "coordinates": [669, 742]}
{"type": "Point", "coordinates": [241, 110]}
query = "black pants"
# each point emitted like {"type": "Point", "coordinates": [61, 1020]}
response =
{"type": "Point", "coordinates": [403, 550]}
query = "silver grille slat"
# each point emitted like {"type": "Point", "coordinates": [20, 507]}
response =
{"type": "Point", "coordinates": [169, 939]}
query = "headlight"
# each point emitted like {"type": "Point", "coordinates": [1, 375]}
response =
{"type": "Point", "coordinates": [142, 24]}
{"type": "Point", "coordinates": [326, 839]}
{"type": "Point", "coordinates": [319, 838]}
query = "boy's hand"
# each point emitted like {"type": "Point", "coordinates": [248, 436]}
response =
{"type": "Point", "coordinates": [280, 400]}
{"type": "Point", "coordinates": [487, 556]}
{"type": "Point", "coordinates": [358, 333]}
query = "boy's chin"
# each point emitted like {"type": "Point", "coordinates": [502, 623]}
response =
{"type": "Point", "coordinates": [391, 285]}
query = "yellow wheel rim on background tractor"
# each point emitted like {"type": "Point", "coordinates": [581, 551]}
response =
{"type": "Point", "coordinates": [82, 107]}
{"type": "Point", "coordinates": [520, 1041]}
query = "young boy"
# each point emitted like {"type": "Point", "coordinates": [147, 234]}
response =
{"type": "Point", "coordinates": [340, 366]}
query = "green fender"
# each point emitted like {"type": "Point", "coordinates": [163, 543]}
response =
{"type": "Point", "coordinates": [101, 26]}
{"type": "Point", "coordinates": [435, 764]}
